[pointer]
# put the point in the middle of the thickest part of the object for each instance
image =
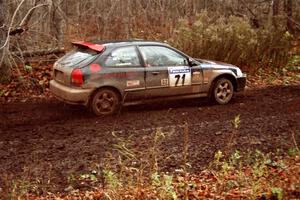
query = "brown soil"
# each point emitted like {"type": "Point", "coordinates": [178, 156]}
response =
{"type": "Point", "coordinates": [49, 141]}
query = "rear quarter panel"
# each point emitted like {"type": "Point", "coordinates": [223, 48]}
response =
{"type": "Point", "coordinates": [122, 78]}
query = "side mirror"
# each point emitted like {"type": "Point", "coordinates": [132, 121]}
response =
{"type": "Point", "coordinates": [192, 62]}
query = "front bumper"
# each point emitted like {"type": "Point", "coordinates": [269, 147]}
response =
{"type": "Point", "coordinates": [241, 83]}
{"type": "Point", "coordinates": [70, 95]}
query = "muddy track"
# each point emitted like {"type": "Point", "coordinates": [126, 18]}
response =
{"type": "Point", "coordinates": [49, 140]}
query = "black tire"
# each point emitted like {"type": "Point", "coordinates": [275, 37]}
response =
{"type": "Point", "coordinates": [105, 102]}
{"type": "Point", "coordinates": [222, 91]}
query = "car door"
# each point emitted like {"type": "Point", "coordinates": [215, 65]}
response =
{"type": "Point", "coordinates": [125, 71]}
{"type": "Point", "coordinates": [167, 72]}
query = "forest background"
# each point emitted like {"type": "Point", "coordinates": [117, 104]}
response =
{"type": "Point", "coordinates": [253, 34]}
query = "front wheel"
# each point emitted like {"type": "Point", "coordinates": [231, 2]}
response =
{"type": "Point", "coordinates": [223, 91]}
{"type": "Point", "coordinates": [105, 102]}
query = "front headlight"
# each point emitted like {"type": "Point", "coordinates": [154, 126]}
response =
{"type": "Point", "coordinates": [239, 72]}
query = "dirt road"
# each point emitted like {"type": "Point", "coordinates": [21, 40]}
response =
{"type": "Point", "coordinates": [48, 141]}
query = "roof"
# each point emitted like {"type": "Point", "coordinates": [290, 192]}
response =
{"type": "Point", "coordinates": [127, 42]}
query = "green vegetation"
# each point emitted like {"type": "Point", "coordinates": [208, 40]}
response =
{"type": "Point", "coordinates": [294, 63]}
{"type": "Point", "coordinates": [234, 40]}
{"type": "Point", "coordinates": [248, 176]}
{"type": "Point", "coordinates": [131, 174]}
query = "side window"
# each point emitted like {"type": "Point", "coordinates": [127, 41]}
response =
{"type": "Point", "coordinates": [162, 56]}
{"type": "Point", "coordinates": [124, 56]}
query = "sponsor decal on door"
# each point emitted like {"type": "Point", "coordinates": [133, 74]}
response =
{"type": "Point", "coordinates": [179, 76]}
{"type": "Point", "coordinates": [132, 83]}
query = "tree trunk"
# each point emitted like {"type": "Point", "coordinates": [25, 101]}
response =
{"type": "Point", "coordinates": [58, 22]}
{"type": "Point", "coordinates": [289, 13]}
{"type": "Point", "coordinates": [127, 17]}
{"type": "Point", "coordinates": [279, 16]}
{"type": "Point", "coordinates": [5, 72]}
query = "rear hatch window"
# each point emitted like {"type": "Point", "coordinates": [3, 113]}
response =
{"type": "Point", "coordinates": [78, 58]}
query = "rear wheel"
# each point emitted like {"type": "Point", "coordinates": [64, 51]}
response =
{"type": "Point", "coordinates": [105, 102]}
{"type": "Point", "coordinates": [223, 91]}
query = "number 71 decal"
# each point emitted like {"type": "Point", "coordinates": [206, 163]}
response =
{"type": "Point", "coordinates": [179, 76]}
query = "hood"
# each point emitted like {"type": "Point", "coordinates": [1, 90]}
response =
{"type": "Point", "coordinates": [215, 64]}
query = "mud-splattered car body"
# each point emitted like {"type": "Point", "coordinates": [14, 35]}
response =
{"type": "Point", "coordinates": [105, 75]}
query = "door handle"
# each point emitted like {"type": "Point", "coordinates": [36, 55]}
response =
{"type": "Point", "coordinates": [155, 73]}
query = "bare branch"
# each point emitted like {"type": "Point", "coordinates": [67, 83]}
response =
{"type": "Point", "coordinates": [39, 52]}
{"type": "Point", "coordinates": [251, 12]}
{"type": "Point", "coordinates": [24, 23]}
{"type": "Point", "coordinates": [10, 27]}
{"type": "Point", "coordinates": [294, 22]}
{"type": "Point", "coordinates": [26, 19]}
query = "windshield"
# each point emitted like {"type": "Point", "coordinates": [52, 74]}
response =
{"type": "Point", "coordinates": [78, 58]}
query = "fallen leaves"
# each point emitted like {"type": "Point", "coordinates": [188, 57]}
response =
{"type": "Point", "coordinates": [30, 82]}
{"type": "Point", "coordinates": [209, 184]}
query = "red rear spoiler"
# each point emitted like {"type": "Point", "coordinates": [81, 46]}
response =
{"type": "Point", "coordinates": [96, 47]}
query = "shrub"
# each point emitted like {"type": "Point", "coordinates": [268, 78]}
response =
{"type": "Point", "coordinates": [231, 39]}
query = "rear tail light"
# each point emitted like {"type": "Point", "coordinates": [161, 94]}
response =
{"type": "Point", "coordinates": [77, 77]}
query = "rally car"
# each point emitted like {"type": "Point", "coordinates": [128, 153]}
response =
{"type": "Point", "coordinates": [105, 75]}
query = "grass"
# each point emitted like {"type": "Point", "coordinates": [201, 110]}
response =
{"type": "Point", "coordinates": [136, 175]}
{"type": "Point", "coordinates": [251, 175]}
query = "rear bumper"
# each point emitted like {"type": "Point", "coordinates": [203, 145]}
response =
{"type": "Point", "coordinates": [241, 83]}
{"type": "Point", "coordinates": [70, 95]}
